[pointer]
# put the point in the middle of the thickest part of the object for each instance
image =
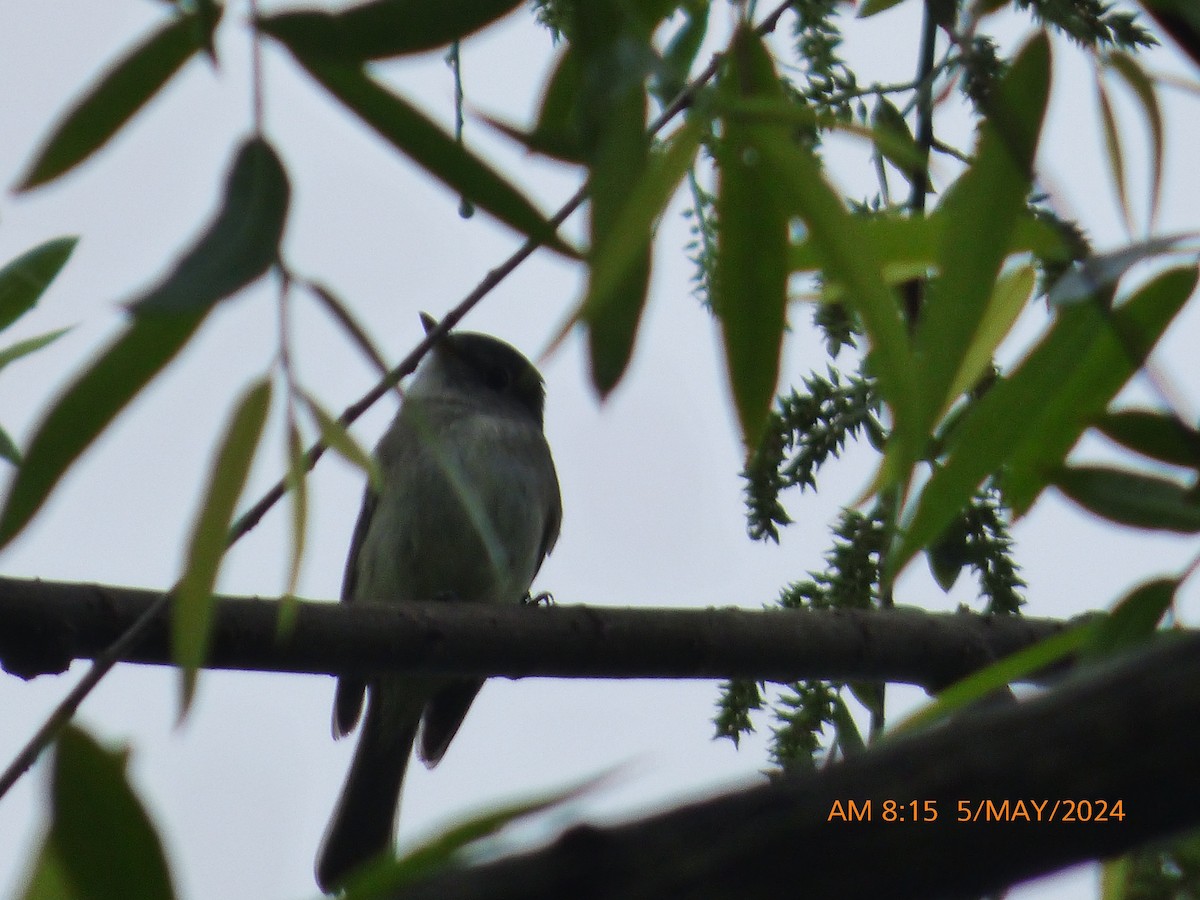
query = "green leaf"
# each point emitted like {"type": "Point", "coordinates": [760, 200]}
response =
{"type": "Point", "coordinates": [1133, 620]}
{"type": "Point", "coordinates": [382, 29]}
{"type": "Point", "coordinates": [899, 149]}
{"type": "Point", "coordinates": [410, 132]}
{"type": "Point", "coordinates": [985, 203]}
{"type": "Point", "coordinates": [1101, 271]}
{"type": "Point", "coordinates": [121, 92]}
{"type": "Point", "coordinates": [622, 254]}
{"type": "Point", "coordinates": [751, 273]}
{"type": "Point", "coordinates": [102, 844]}
{"type": "Point", "coordinates": [297, 484]}
{"type": "Point", "coordinates": [681, 53]}
{"type": "Point", "coordinates": [1159, 435]}
{"type": "Point", "coordinates": [24, 279]}
{"type": "Point", "coordinates": [191, 615]}
{"type": "Point", "coordinates": [1009, 296]}
{"type": "Point", "coordinates": [386, 876]}
{"type": "Point", "coordinates": [167, 316]}
{"type": "Point", "coordinates": [8, 449]}
{"type": "Point", "coordinates": [1029, 420]}
{"type": "Point", "coordinates": [556, 133]}
{"type": "Point", "coordinates": [614, 61]}
{"type": "Point", "coordinates": [874, 7]}
{"type": "Point", "coordinates": [335, 436]}
{"type": "Point", "coordinates": [996, 677]}
{"type": "Point", "coordinates": [30, 345]}
{"type": "Point", "coordinates": [1131, 498]}
{"type": "Point", "coordinates": [848, 257]}
{"type": "Point", "coordinates": [240, 244]}
{"type": "Point", "coordinates": [1116, 155]}
{"type": "Point", "coordinates": [1143, 88]}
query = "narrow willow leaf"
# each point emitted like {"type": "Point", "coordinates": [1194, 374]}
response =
{"type": "Point", "coordinates": [228, 255]}
{"type": "Point", "coordinates": [1143, 88]}
{"type": "Point", "coordinates": [297, 483]}
{"type": "Point", "coordinates": [1131, 498]}
{"type": "Point", "coordinates": [23, 281]}
{"type": "Point", "coordinates": [1103, 270]}
{"type": "Point", "coordinates": [896, 141]}
{"type": "Point", "coordinates": [191, 614]}
{"type": "Point", "coordinates": [681, 52]}
{"type": "Point", "coordinates": [338, 439]}
{"type": "Point", "coordinates": [624, 249]}
{"type": "Point", "coordinates": [1158, 435]}
{"type": "Point", "coordinates": [1132, 620]}
{"type": "Point", "coordinates": [410, 132]}
{"type": "Point", "coordinates": [382, 29]}
{"type": "Point", "coordinates": [848, 256]}
{"type": "Point", "coordinates": [113, 100]}
{"type": "Point", "coordinates": [985, 203]}
{"type": "Point", "coordinates": [556, 133]}
{"type": "Point", "coordinates": [386, 876]}
{"type": "Point", "coordinates": [1028, 422]}
{"type": "Point", "coordinates": [874, 7]}
{"type": "Point", "coordinates": [1009, 297]}
{"type": "Point", "coordinates": [102, 841]}
{"type": "Point", "coordinates": [241, 243]}
{"type": "Point", "coordinates": [1115, 153]}
{"type": "Point", "coordinates": [29, 345]}
{"type": "Point", "coordinates": [8, 449]}
{"type": "Point", "coordinates": [996, 677]}
{"type": "Point", "coordinates": [614, 61]}
{"type": "Point", "coordinates": [751, 273]}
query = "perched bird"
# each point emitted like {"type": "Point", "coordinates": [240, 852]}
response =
{"type": "Point", "coordinates": [467, 508]}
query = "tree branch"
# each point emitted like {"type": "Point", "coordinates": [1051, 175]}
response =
{"type": "Point", "coordinates": [45, 625]}
{"type": "Point", "coordinates": [1080, 748]}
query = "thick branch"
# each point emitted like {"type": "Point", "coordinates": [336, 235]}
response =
{"type": "Point", "coordinates": [1126, 734]}
{"type": "Point", "coordinates": [44, 625]}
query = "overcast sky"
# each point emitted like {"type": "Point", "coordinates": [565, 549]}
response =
{"type": "Point", "coordinates": [242, 790]}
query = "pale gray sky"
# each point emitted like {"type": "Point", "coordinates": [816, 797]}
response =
{"type": "Point", "coordinates": [242, 791]}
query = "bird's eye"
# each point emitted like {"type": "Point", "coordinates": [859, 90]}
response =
{"type": "Point", "coordinates": [498, 378]}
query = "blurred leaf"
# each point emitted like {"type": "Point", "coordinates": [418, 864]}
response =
{"type": "Point", "coordinates": [241, 243]}
{"type": "Point", "coordinates": [556, 133]}
{"type": "Point", "coordinates": [30, 345]}
{"type": "Point", "coordinates": [847, 256]}
{"type": "Point", "coordinates": [1116, 156]}
{"type": "Point", "coordinates": [335, 436]}
{"type": "Point", "coordinates": [847, 735]}
{"type": "Point", "coordinates": [112, 101]}
{"type": "Point", "coordinates": [297, 484]}
{"type": "Point", "coordinates": [101, 845]}
{"type": "Point", "coordinates": [996, 677]}
{"type": "Point", "coordinates": [681, 52]}
{"type": "Point", "coordinates": [385, 876]}
{"type": "Point", "coordinates": [8, 449]}
{"type": "Point", "coordinates": [874, 7]}
{"type": "Point", "coordinates": [1029, 420]}
{"type": "Point", "coordinates": [985, 203]}
{"type": "Point", "coordinates": [906, 157]}
{"type": "Point", "coordinates": [24, 279]}
{"type": "Point", "coordinates": [1096, 273]}
{"type": "Point", "coordinates": [382, 29]}
{"type": "Point", "coordinates": [165, 318]}
{"type": "Point", "coordinates": [1143, 88]}
{"type": "Point", "coordinates": [1131, 498]}
{"type": "Point", "coordinates": [1159, 435]}
{"type": "Point", "coordinates": [1133, 620]}
{"type": "Point", "coordinates": [909, 242]}
{"type": "Point", "coordinates": [622, 254]}
{"type": "Point", "coordinates": [48, 880]}
{"type": "Point", "coordinates": [614, 59]}
{"type": "Point", "coordinates": [1009, 296]}
{"type": "Point", "coordinates": [191, 614]}
{"type": "Point", "coordinates": [750, 278]}
{"type": "Point", "coordinates": [410, 132]}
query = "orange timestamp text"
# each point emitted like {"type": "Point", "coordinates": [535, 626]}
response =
{"type": "Point", "coordinates": [988, 810]}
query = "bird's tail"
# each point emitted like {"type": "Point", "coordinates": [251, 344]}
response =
{"type": "Point", "coordinates": [364, 820]}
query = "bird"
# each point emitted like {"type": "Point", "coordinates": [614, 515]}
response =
{"type": "Point", "coordinates": [466, 509]}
